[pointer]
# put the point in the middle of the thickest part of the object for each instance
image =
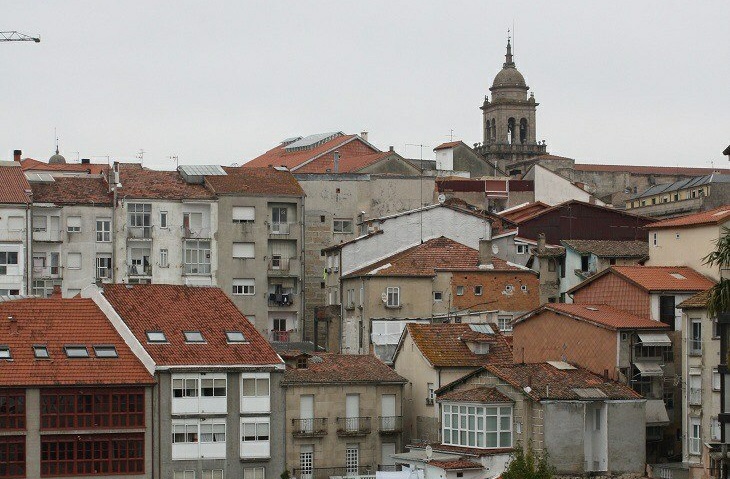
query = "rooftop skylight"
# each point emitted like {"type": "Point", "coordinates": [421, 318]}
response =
{"type": "Point", "coordinates": [105, 351]}
{"type": "Point", "coordinates": [74, 351]}
{"type": "Point", "coordinates": [235, 337]}
{"type": "Point", "coordinates": [156, 337]}
{"type": "Point", "coordinates": [677, 276]}
{"type": "Point", "coordinates": [193, 337]}
{"type": "Point", "coordinates": [5, 352]}
{"type": "Point", "coordinates": [41, 352]}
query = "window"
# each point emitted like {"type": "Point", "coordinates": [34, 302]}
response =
{"type": "Point", "coordinates": [342, 226]}
{"type": "Point", "coordinates": [235, 337]}
{"type": "Point", "coordinates": [522, 249]}
{"type": "Point", "coordinates": [5, 352]}
{"type": "Point", "coordinates": [478, 289]}
{"type": "Point", "coordinates": [76, 351]}
{"type": "Point", "coordinates": [244, 287]}
{"type": "Point", "coordinates": [9, 292]}
{"type": "Point", "coordinates": [164, 261]}
{"type": "Point", "coordinates": [197, 257]}
{"type": "Point", "coordinates": [184, 433]}
{"type": "Point", "coordinates": [243, 250]}
{"type": "Point", "coordinates": [105, 351]}
{"type": "Point", "coordinates": [41, 352]}
{"type": "Point", "coordinates": [279, 215]}
{"type": "Point", "coordinates": [183, 475]}
{"type": "Point", "coordinates": [509, 288]}
{"type": "Point", "coordinates": [695, 389]}
{"type": "Point", "coordinates": [460, 291]}
{"type": "Point", "coordinates": [255, 430]}
{"type": "Point", "coordinates": [163, 219]}
{"type": "Point", "coordinates": [103, 267]}
{"type": "Point", "coordinates": [695, 438]}
{"type": "Point", "coordinates": [73, 260]}
{"type": "Point", "coordinates": [12, 410]}
{"type": "Point", "coordinates": [212, 387]}
{"type": "Point", "coordinates": [430, 393]}
{"type": "Point", "coordinates": [156, 337]}
{"type": "Point", "coordinates": [193, 337]}
{"type": "Point", "coordinates": [695, 338]}
{"type": "Point", "coordinates": [551, 265]}
{"type": "Point", "coordinates": [103, 230]}
{"type": "Point", "coordinates": [139, 216]}
{"type": "Point", "coordinates": [612, 261]}
{"type": "Point", "coordinates": [7, 258]}
{"type": "Point", "coordinates": [89, 408]}
{"type": "Point", "coordinates": [212, 432]}
{"type": "Point", "coordinates": [218, 473]}
{"type": "Point", "coordinates": [653, 238]}
{"type": "Point", "coordinates": [438, 296]}
{"type": "Point", "coordinates": [306, 460]}
{"type": "Point", "coordinates": [504, 322]}
{"type": "Point", "coordinates": [715, 380]}
{"type": "Point", "coordinates": [185, 387]}
{"type": "Point", "coordinates": [715, 329]}
{"type": "Point", "coordinates": [16, 223]}
{"type": "Point", "coordinates": [352, 459]}
{"type": "Point", "coordinates": [255, 387]}
{"type": "Point", "coordinates": [12, 450]}
{"type": "Point", "coordinates": [584, 260]}
{"type": "Point", "coordinates": [243, 214]}
{"type": "Point", "coordinates": [477, 426]}
{"type": "Point", "coordinates": [259, 472]}
{"type": "Point", "coordinates": [193, 224]}
{"type": "Point", "coordinates": [40, 223]}
{"type": "Point", "coordinates": [393, 297]}
{"type": "Point", "coordinates": [715, 428]}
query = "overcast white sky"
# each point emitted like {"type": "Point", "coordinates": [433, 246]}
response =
{"type": "Point", "coordinates": [221, 82]}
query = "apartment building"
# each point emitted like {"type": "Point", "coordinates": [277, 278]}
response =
{"type": "Point", "coordinates": [431, 356]}
{"type": "Point", "coordinates": [684, 196]}
{"type": "Point", "coordinates": [260, 247]}
{"type": "Point", "coordinates": [73, 242]}
{"type": "Point", "coordinates": [218, 402]}
{"type": "Point", "coordinates": [15, 227]}
{"type": "Point", "coordinates": [76, 400]}
{"type": "Point", "coordinates": [343, 416]}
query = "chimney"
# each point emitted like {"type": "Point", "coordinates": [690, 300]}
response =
{"type": "Point", "coordinates": [541, 243]}
{"type": "Point", "coordinates": [390, 148]}
{"type": "Point", "coordinates": [485, 252]}
{"type": "Point", "coordinates": [336, 168]}
{"type": "Point", "coordinates": [56, 291]}
{"type": "Point", "coordinates": [85, 161]}
{"type": "Point", "coordinates": [13, 325]}
{"type": "Point", "coordinates": [16, 155]}
{"type": "Point", "coordinates": [364, 135]}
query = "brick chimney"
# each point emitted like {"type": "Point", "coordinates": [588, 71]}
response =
{"type": "Point", "coordinates": [541, 243]}
{"type": "Point", "coordinates": [13, 325]}
{"type": "Point", "coordinates": [16, 155]}
{"type": "Point", "coordinates": [485, 252]}
{"type": "Point", "coordinates": [364, 135]}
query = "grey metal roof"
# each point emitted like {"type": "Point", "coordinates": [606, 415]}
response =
{"type": "Point", "coordinates": [312, 140]}
{"type": "Point", "coordinates": [202, 170]}
{"type": "Point", "coordinates": [481, 328]}
{"type": "Point", "coordinates": [683, 184]}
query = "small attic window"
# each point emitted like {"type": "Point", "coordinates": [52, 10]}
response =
{"type": "Point", "coordinates": [156, 337]}
{"type": "Point", "coordinates": [5, 352]}
{"type": "Point", "coordinates": [235, 337]}
{"type": "Point", "coordinates": [76, 351]}
{"type": "Point", "coordinates": [41, 352]}
{"type": "Point", "coordinates": [193, 337]}
{"type": "Point", "coordinates": [302, 362]}
{"type": "Point", "coordinates": [105, 351]}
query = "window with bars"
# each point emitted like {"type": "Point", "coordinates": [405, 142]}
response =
{"type": "Point", "coordinates": [12, 410]}
{"type": "Point", "coordinates": [12, 456]}
{"type": "Point", "coordinates": [89, 408]}
{"type": "Point", "coordinates": [352, 459]}
{"type": "Point", "coordinates": [92, 455]}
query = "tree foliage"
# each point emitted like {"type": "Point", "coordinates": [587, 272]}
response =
{"type": "Point", "coordinates": [718, 300]}
{"type": "Point", "coordinates": [528, 464]}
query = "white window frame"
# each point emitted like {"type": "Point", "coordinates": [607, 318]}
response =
{"type": "Point", "coordinates": [342, 226]}
{"type": "Point", "coordinates": [440, 297]}
{"type": "Point", "coordinates": [352, 459]}
{"type": "Point", "coordinates": [163, 220]}
{"type": "Point", "coordinates": [75, 255]}
{"type": "Point", "coordinates": [103, 230]}
{"type": "Point", "coordinates": [253, 473]}
{"type": "Point", "coordinates": [695, 436]}
{"type": "Point", "coordinates": [478, 290]}
{"type": "Point", "coordinates": [164, 258]}
{"type": "Point", "coordinates": [430, 393]}
{"type": "Point", "coordinates": [393, 296]}
{"type": "Point", "coordinates": [197, 257]}
{"type": "Point", "coordinates": [258, 399]}
{"type": "Point", "coordinates": [716, 379]}
{"type": "Point", "coordinates": [73, 224]}
{"type": "Point", "coordinates": [243, 214]}
{"type": "Point", "coordinates": [243, 287]}
{"type": "Point", "coordinates": [504, 322]}
{"type": "Point", "coordinates": [257, 444]}
{"type": "Point", "coordinates": [521, 248]}
{"type": "Point", "coordinates": [476, 417]}
{"type": "Point", "coordinates": [187, 474]}
{"type": "Point", "coordinates": [105, 258]}
{"type": "Point", "coordinates": [460, 291]}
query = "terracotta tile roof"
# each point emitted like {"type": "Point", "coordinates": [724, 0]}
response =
{"type": "Point", "coordinates": [610, 248]}
{"type": "Point", "coordinates": [698, 301]}
{"type": "Point", "coordinates": [525, 211]}
{"type": "Point", "coordinates": [279, 156]}
{"type": "Point", "coordinates": [456, 465]}
{"type": "Point", "coordinates": [90, 168]}
{"type": "Point", "coordinates": [442, 346]}
{"type": "Point", "coordinates": [438, 254]}
{"type": "Point", "coordinates": [347, 163]}
{"type": "Point", "coordinates": [482, 394]}
{"type": "Point", "coordinates": [711, 217]}
{"type": "Point", "coordinates": [467, 451]}
{"type": "Point", "coordinates": [548, 382]}
{"type": "Point", "coordinates": [14, 186]}
{"type": "Point", "coordinates": [143, 183]}
{"type": "Point", "coordinates": [73, 190]}
{"type": "Point", "coordinates": [598, 314]}
{"type": "Point", "coordinates": [651, 170]}
{"type": "Point", "coordinates": [569, 203]}
{"type": "Point", "coordinates": [658, 278]}
{"type": "Point", "coordinates": [256, 181]}
{"type": "Point", "coordinates": [55, 323]}
{"type": "Point", "coordinates": [449, 144]}
{"type": "Point", "coordinates": [174, 309]}
{"type": "Point", "coordinates": [323, 368]}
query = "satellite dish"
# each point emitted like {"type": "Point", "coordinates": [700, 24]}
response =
{"type": "Point", "coordinates": [384, 297]}
{"type": "Point", "coordinates": [429, 453]}
{"type": "Point", "coordinates": [442, 198]}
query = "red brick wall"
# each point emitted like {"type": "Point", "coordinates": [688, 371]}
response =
{"type": "Point", "coordinates": [616, 292]}
{"type": "Point", "coordinates": [493, 285]}
{"type": "Point", "coordinates": [591, 347]}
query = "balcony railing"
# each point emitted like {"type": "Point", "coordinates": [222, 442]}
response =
{"type": "Point", "coordinates": [360, 472]}
{"type": "Point", "coordinates": [280, 336]}
{"type": "Point", "coordinates": [139, 232]}
{"type": "Point", "coordinates": [136, 270]}
{"type": "Point", "coordinates": [695, 397]}
{"type": "Point", "coordinates": [46, 271]}
{"type": "Point", "coordinates": [353, 426]}
{"type": "Point", "coordinates": [279, 265]}
{"type": "Point", "coordinates": [390, 467]}
{"type": "Point", "coordinates": [200, 233]}
{"type": "Point", "coordinates": [390, 424]}
{"type": "Point", "coordinates": [281, 228]}
{"type": "Point", "coordinates": [313, 427]}
{"type": "Point", "coordinates": [695, 347]}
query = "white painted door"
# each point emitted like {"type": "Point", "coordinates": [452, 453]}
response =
{"type": "Point", "coordinates": [386, 450]}
{"type": "Point", "coordinates": [352, 412]}
{"type": "Point", "coordinates": [387, 412]}
{"type": "Point", "coordinates": [306, 412]}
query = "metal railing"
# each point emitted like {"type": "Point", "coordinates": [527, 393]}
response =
{"type": "Point", "coordinates": [359, 472]}
{"type": "Point", "coordinates": [280, 336]}
{"type": "Point", "coordinates": [353, 426]}
{"type": "Point", "coordinates": [312, 427]}
{"type": "Point", "coordinates": [390, 424]}
{"type": "Point", "coordinates": [280, 228]}
{"type": "Point", "coordinates": [695, 347]}
{"type": "Point", "coordinates": [135, 270]}
{"type": "Point", "coordinates": [139, 232]}
{"type": "Point", "coordinates": [46, 271]}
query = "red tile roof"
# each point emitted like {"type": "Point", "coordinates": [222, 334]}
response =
{"type": "Point", "coordinates": [90, 168]}
{"type": "Point", "coordinates": [143, 183]}
{"type": "Point", "coordinates": [548, 382]}
{"type": "Point", "coordinates": [256, 181]}
{"type": "Point", "coordinates": [55, 323]}
{"type": "Point", "coordinates": [597, 314]}
{"type": "Point", "coordinates": [443, 347]}
{"type": "Point", "coordinates": [438, 254]}
{"type": "Point", "coordinates": [323, 368]}
{"type": "Point", "coordinates": [279, 156]}
{"type": "Point", "coordinates": [656, 278]}
{"type": "Point", "coordinates": [174, 309]}
{"type": "Point", "coordinates": [610, 248]}
{"type": "Point", "coordinates": [482, 394]}
{"type": "Point", "coordinates": [651, 170]}
{"type": "Point", "coordinates": [698, 301]}
{"type": "Point", "coordinates": [347, 163]}
{"type": "Point", "coordinates": [456, 465]}
{"type": "Point", "coordinates": [715, 216]}
{"type": "Point", "coordinates": [467, 451]}
{"type": "Point", "coordinates": [449, 144]}
{"type": "Point", "coordinates": [73, 190]}
{"type": "Point", "coordinates": [15, 186]}
{"type": "Point", "coordinates": [525, 211]}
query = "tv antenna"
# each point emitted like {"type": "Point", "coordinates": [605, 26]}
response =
{"type": "Point", "coordinates": [140, 156]}
{"type": "Point", "coordinates": [177, 160]}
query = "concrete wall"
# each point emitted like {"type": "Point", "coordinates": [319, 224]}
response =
{"type": "Point", "coordinates": [626, 436]}
{"type": "Point", "coordinates": [553, 189]}
{"type": "Point", "coordinates": [685, 247]}
{"type": "Point", "coordinates": [565, 435]}
{"type": "Point", "coordinates": [16, 241]}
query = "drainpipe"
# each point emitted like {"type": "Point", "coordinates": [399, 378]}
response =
{"type": "Point", "coordinates": [303, 273]}
{"type": "Point", "coordinates": [28, 244]}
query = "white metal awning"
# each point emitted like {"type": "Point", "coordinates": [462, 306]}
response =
{"type": "Point", "coordinates": [649, 369]}
{"type": "Point", "coordinates": [654, 339]}
{"type": "Point", "coordinates": [656, 412]}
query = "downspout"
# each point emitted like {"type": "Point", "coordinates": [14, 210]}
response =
{"type": "Point", "coordinates": [158, 418]}
{"type": "Point", "coordinates": [153, 429]}
{"type": "Point", "coordinates": [28, 244]}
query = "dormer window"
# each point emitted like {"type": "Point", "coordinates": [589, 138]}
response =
{"type": "Point", "coordinates": [76, 351]}
{"type": "Point", "coordinates": [235, 337]}
{"type": "Point", "coordinates": [302, 362]}
{"type": "Point", "coordinates": [156, 337]}
{"type": "Point", "coordinates": [41, 352]}
{"type": "Point", "coordinates": [193, 337]}
{"type": "Point", "coordinates": [106, 351]}
{"type": "Point", "coordinates": [5, 352]}
{"type": "Point", "coordinates": [478, 348]}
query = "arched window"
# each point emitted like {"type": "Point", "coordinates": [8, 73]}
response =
{"type": "Point", "coordinates": [523, 130]}
{"type": "Point", "coordinates": [511, 127]}
{"type": "Point", "coordinates": [488, 136]}
{"type": "Point", "coordinates": [494, 129]}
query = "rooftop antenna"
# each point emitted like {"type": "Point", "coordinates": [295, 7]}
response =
{"type": "Point", "coordinates": [140, 156]}
{"type": "Point", "coordinates": [77, 156]}
{"type": "Point", "coordinates": [177, 162]}
{"type": "Point", "coordinates": [451, 135]}
{"type": "Point", "coordinates": [55, 135]}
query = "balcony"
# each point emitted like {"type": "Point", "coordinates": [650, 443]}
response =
{"type": "Point", "coordinates": [695, 347]}
{"type": "Point", "coordinates": [137, 270]}
{"type": "Point", "coordinates": [353, 426]}
{"type": "Point", "coordinates": [390, 424]}
{"type": "Point", "coordinates": [281, 229]}
{"type": "Point", "coordinates": [197, 269]}
{"type": "Point", "coordinates": [44, 235]}
{"type": "Point", "coordinates": [139, 233]}
{"type": "Point", "coordinates": [46, 272]}
{"type": "Point", "coordinates": [314, 427]}
{"type": "Point", "coordinates": [196, 233]}
{"type": "Point", "coordinates": [281, 300]}
{"type": "Point", "coordinates": [361, 472]}
{"type": "Point", "coordinates": [280, 266]}
{"type": "Point", "coordinates": [280, 336]}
